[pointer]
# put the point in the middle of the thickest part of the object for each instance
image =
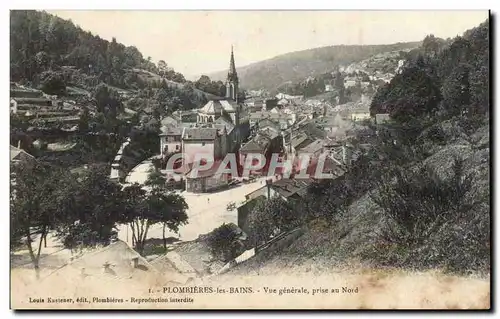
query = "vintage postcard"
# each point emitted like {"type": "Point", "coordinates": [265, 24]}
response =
{"type": "Point", "coordinates": [250, 159]}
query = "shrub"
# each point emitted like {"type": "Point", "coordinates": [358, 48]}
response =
{"type": "Point", "coordinates": [224, 242]}
{"type": "Point", "coordinates": [431, 221]}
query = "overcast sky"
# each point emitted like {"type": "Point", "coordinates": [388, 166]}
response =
{"type": "Point", "coordinates": [197, 42]}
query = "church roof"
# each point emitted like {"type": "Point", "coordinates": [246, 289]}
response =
{"type": "Point", "coordinates": [231, 74]}
{"type": "Point", "coordinates": [214, 107]}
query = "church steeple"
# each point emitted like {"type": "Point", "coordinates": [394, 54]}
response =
{"type": "Point", "coordinates": [232, 79]}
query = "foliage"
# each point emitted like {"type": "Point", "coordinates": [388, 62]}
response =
{"type": "Point", "coordinates": [224, 243]}
{"type": "Point", "coordinates": [97, 207]}
{"type": "Point", "coordinates": [217, 88]}
{"type": "Point", "coordinates": [270, 218]}
{"type": "Point", "coordinates": [107, 100]}
{"type": "Point", "coordinates": [52, 83]}
{"type": "Point", "coordinates": [53, 53]}
{"type": "Point", "coordinates": [144, 209]}
{"type": "Point", "coordinates": [410, 95]}
{"type": "Point", "coordinates": [39, 203]}
{"type": "Point", "coordinates": [451, 72]}
{"type": "Point", "coordinates": [418, 206]}
{"type": "Point", "coordinates": [296, 66]}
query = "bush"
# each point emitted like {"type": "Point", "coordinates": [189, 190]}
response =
{"type": "Point", "coordinates": [270, 218]}
{"type": "Point", "coordinates": [431, 221]}
{"type": "Point", "coordinates": [224, 243]}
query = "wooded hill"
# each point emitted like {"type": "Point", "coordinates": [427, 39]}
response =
{"type": "Point", "coordinates": [45, 48]}
{"type": "Point", "coordinates": [296, 66]}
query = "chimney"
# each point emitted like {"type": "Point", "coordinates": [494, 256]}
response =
{"type": "Point", "coordinates": [105, 267]}
{"type": "Point", "coordinates": [19, 144]}
{"type": "Point", "coordinates": [346, 155]}
{"type": "Point", "coordinates": [268, 184]}
{"type": "Point", "coordinates": [135, 262]}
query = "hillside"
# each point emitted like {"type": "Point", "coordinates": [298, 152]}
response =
{"type": "Point", "coordinates": [418, 199]}
{"type": "Point", "coordinates": [47, 51]}
{"type": "Point", "coordinates": [296, 66]}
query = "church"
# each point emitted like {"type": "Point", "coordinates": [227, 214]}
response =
{"type": "Point", "coordinates": [224, 122]}
{"type": "Point", "coordinates": [221, 127]}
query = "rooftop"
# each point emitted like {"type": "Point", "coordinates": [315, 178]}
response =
{"type": "Point", "coordinates": [289, 187]}
{"type": "Point", "coordinates": [200, 133]}
{"type": "Point", "coordinates": [216, 106]}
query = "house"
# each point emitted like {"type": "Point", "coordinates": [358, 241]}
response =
{"type": "Point", "coordinates": [287, 189]}
{"type": "Point", "coordinates": [382, 118]}
{"type": "Point", "coordinates": [314, 148]}
{"type": "Point", "coordinates": [255, 104]}
{"type": "Point", "coordinates": [266, 142]}
{"type": "Point", "coordinates": [18, 155]}
{"type": "Point", "coordinates": [349, 83]}
{"type": "Point", "coordinates": [202, 141]}
{"type": "Point", "coordinates": [13, 106]}
{"type": "Point", "coordinates": [360, 115]}
{"type": "Point", "coordinates": [206, 180]}
{"type": "Point", "coordinates": [284, 120]}
{"type": "Point", "coordinates": [170, 140]}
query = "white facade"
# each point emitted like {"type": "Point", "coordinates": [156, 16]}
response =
{"type": "Point", "coordinates": [170, 144]}
{"type": "Point", "coordinates": [360, 116]}
{"type": "Point", "coordinates": [13, 106]}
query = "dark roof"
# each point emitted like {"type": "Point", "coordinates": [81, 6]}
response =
{"type": "Point", "coordinates": [258, 144]}
{"type": "Point", "coordinates": [205, 173]}
{"type": "Point", "coordinates": [313, 147]}
{"type": "Point", "coordinates": [200, 133]}
{"type": "Point", "coordinates": [269, 132]}
{"type": "Point", "coordinates": [221, 122]}
{"type": "Point", "coordinates": [32, 100]}
{"type": "Point", "coordinates": [289, 187]}
{"type": "Point", "coordinates": [313, 130]}
{"type": "Point", "coordinates": [16, 152]}
{"type": "Point", "coordinates": [169, 121]}
{"type": "Point", "coordinates": [62, 119]}
{"type": "Point", "coordinates": [268, 123]}
{"type": "Point", "coordinates": [169, 130]}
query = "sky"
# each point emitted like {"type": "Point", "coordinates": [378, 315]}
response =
{"type": "Point", "coordinates": [199, 42]}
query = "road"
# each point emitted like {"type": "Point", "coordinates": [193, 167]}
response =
{"type": "Point", "coordinates": [206, 211]}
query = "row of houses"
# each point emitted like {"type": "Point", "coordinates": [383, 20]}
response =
{"type": "Point", "coordinates": [38, 107]}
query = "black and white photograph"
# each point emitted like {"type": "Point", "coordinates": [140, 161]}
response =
{"type": "Point", "coordinates": [250, 159]}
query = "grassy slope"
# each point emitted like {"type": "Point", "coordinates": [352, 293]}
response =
{"type": "Point", "coordinates": [342, 244]}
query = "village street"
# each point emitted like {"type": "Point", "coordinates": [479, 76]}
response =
{"type": "Point", "coordinates": [206, 211]}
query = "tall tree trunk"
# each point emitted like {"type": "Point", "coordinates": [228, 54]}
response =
{"type": "Point", "coordinates": [164, 239]}
{"type": "Point", "coordinates": [45, 241]}
{"type": "Point", "coordinates": [32, 255]}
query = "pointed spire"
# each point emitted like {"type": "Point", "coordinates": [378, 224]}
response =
{"type": "Point", "coordinates": [231, 75]}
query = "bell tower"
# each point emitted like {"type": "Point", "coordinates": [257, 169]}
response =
{"type": "Point", "coordinates": [232, 80]}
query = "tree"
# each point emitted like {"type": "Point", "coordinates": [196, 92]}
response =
{"type": "Point", "coordinates": [162, 67]}
{"type": "Point", "coordinates": [41, 198]}
{"type": "Point", "coordinates": [431, 45]}
{"type": "Point", "coordinates": [97, 208]}
{"type": "Point", "coordinates": [410, 95]}
{"type": "Point", "coordinates": [107, 100]}
{"type": "Point", "coordinates": [146, 208]}
{"type": "Point", "coordinates": [83, 122]}
{"type": "Point", "coordinates": [269, 218]}
{"type": "Point", "coordinates": [456, 90]}
{"type": "Point", "coordinates": [224, 242]}
{"type": "Point", "coordinates": [52, 83]}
